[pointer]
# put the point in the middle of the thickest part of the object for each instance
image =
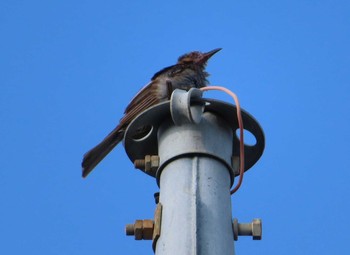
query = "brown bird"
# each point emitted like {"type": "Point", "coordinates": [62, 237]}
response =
{"type": "Point", "coordinates": [189, 72]}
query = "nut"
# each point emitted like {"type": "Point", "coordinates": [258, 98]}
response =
{"type": "Point", "coordinates": [257, 229]}
{"type": "Point", "coordinates": [150, 164]}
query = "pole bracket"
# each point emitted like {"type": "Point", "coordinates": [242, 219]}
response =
{"type": "Point", "coordinates": [138, 147]}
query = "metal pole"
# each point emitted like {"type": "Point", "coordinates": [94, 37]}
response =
{"type": "Point", "coordinates": [192, 155]}
{"type": "Point", "coordinates": [195, 180]}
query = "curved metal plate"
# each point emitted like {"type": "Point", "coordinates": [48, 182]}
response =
{"type": "Point", "coordinates": [152, 118]}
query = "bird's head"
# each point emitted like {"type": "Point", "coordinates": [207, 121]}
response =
{"type": "Point", "coordinates": [196, 57]}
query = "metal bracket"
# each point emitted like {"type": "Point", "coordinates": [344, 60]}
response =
{"type": "Point", "coordinates": [157, 225]}
{"type": "Point", "coordinates": [155, 116]}
{"type": "Point", "coordinates": [181, 110]}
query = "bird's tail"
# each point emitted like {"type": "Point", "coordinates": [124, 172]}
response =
{"type": "Point", "coordinates": [96, 154]}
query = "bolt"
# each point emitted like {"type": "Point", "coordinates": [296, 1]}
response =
{"type": "Point", "coordinates": [253, 229]}
{"type": "Point", "coordinates": [129, 229]}
{"type": "Point", "coordinates": [139, 164]}
{"type": "Point", "coordinates": [150, 164]}
{"type": "Point", "coordinates": [141, 229]}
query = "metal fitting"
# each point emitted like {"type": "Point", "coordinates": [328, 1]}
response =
{"type": "Point", "coordinates": [182, 112]}
{"type": "Point", "coordinates": [150, 164]}
{"type": "Point", "coordinates": [146, 229]}
{"type": "Point", "coordinates": [253, 229]}
{"type": "Point", "coordinates": [141, 229]}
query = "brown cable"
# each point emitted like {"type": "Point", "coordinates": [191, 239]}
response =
{"type": "Point", "coordinates": [241, 132]}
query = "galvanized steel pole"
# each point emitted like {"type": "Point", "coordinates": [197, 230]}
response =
{"type": "Point", "coordinates": [195, 188]}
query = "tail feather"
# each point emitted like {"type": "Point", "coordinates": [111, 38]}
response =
{"type": "Point", "coordinates": [100, 151]}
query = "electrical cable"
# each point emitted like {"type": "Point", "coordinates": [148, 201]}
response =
{"type": "Point", "coordinates": [241, 131]}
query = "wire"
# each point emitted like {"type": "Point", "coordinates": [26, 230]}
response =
{"type": "Point", "coordinates": [241, 131]}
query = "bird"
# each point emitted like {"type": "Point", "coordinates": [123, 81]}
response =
{"type": "Point", "coordinates": [189, 72]}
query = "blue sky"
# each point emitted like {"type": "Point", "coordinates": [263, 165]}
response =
{"type": "Point", "coordinates": [69, 68]}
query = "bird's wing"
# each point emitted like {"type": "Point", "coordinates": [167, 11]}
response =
{"type": "Point", "coordinates": [150, 95]}
{"type": "Point", "coordinates": [148, 90]}
{"type": "Point", "coordinates": [139, 96]}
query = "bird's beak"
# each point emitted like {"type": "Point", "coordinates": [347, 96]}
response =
{"type": "Point", "coordinates": [208, 55]}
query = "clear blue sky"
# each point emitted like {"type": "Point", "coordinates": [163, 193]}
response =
{"type": "Point", "coordinates": [69, 68]}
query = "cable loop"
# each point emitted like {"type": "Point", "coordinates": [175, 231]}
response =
{"type": "Point", "coordinates": [241, 132]}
